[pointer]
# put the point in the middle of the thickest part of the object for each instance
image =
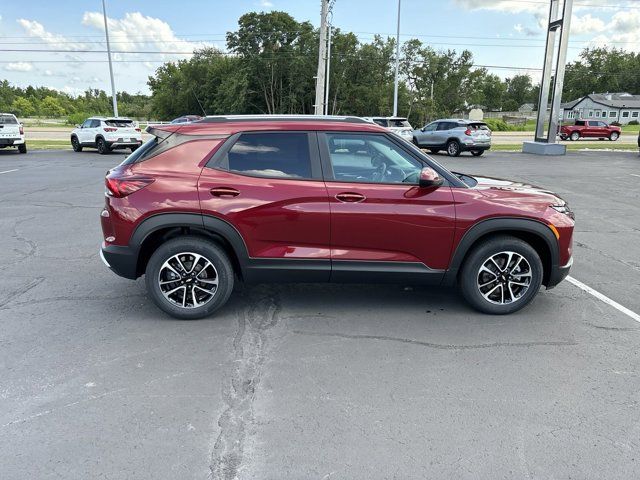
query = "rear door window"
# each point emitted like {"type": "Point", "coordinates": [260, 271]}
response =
{"type": "Point", "coordinates": [276, 155]}
{"type": "Point", "coordinates": [95, 123]}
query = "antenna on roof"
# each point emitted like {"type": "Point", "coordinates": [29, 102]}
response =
{"type": "Point", "coordinates": [197, 100]}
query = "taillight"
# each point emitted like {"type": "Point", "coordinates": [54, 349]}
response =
{"type": "Point", "coordinates": [110, 129]}
{"type": "Point", "coordinates": [468, 132]}
{"type": "Point", "coordinates": [21, 130]}
{"type": "Point", "coordinates": [122, 186]}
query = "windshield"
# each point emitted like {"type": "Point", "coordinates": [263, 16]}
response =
{"type": "Point", "coordinates": [8, 120]}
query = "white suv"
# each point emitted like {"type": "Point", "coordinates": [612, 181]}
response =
{"type": "Point", "coordinates": [398, 125]}
{"type": "Point", "coordinates": [12, 132]}
{"type": "Point", "coordinates": [106, 134]}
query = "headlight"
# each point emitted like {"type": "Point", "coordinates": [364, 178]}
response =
{"type": "Point", "coordinates": [564, 209]}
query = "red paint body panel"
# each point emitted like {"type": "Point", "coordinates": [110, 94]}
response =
{"type": "Point", "coordinates": [277, 218]}
{"type": "Point", "coordinates": [394, 223]}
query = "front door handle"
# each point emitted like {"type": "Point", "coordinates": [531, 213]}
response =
{"type": "Point", "coordinates": [224, 192]}
{"type": "Point", "coordinates": [350, 197]}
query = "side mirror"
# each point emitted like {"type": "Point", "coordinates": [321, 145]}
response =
{"type": "Point", "coordinates": [422, 129]}
{"type": "Point", "coordinates": [429, 178]}
{"type": "Point", "coordinates": [78, 126]}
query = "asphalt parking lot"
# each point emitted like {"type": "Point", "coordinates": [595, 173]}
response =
{"type": "Point", "coordinates": [314, 381]}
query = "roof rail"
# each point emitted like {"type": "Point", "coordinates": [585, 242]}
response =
{"type": "Point", "coordinates": [281, 118]}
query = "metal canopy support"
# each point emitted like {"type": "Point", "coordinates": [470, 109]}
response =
{"type": "Point", "coordinates": [559, 26]}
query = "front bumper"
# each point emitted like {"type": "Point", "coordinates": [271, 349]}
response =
{"type": "Point", "coordinates": [558, 274]}
{"type": "Point", "coordinates": [122, 261]}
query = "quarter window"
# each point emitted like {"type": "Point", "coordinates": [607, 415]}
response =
{"type": "Point", "coordinates": [370, 159]}
{"type": "Point", "coordinates": [278, 155]}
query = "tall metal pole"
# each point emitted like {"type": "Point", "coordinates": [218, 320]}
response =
{"type": "Point", "coordinates": [561, 63]}
{"type": "Point", "coordinates": [326, 89]}
{"type": "Point", "coordinates": [113, 83]}
{"type": "Point", "coordinates": [395, 83]}
{"type": "Point", "coordinates": [322, 56]}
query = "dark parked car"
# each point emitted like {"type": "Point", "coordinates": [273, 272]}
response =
{"type": "Point", "coordinates": [186, 119]}
{"type": "Point", "coordinates": [317, 199]}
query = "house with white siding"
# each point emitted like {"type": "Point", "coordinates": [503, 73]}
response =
{"type": "Point", "coordinates": [609, 107]}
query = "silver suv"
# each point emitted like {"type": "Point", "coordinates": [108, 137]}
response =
{"type": "Point", "coordinates": [455, 136]}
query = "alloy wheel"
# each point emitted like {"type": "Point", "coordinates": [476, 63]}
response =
{"type": "Point", "coordinates": [504, 278]}
{"type": "Point", "coordinates": [188, 280]}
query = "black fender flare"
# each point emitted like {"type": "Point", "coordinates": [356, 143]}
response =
{"type": "Point", "coordinates": [497, 225]}
{"type": "Point", "coordinates": [202, 223]}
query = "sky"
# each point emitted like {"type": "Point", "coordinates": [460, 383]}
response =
{"type": "Point", "coordinates": [509, 34]}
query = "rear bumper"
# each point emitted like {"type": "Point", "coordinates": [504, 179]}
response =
{"type": "Point", "coordinates": [121, 260]}
{"type": "Point", "coordinates": [120, 143]}
{"type": "Point", "coordinates": [558, 274]}
{"type": "Point", "coordinates": [467, 147]}
{"type": "Point", "coordinates": [11, 141]}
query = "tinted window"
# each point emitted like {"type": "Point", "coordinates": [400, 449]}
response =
{"type": "Point", "coordinates": [86, 124]}
{"type": "Point", "coordinates": [580, 123]}
{"type": "Point", "coordinates": [95, 123]}
{"type": "Point", "coordinates": [431, 127]}
{"type": "Point", "coordinates": [119, 123]}
{"type": "Point", "coordinates": [399, 123]}
{"type": "Point", "coordinates": [142, 152]}
{"type": "Point", "coordinates": [380, 121]}
{"type": "Point", "coordinates": [271, 155]}
{"type": "Point", "coordinates": [8, 120]}
{"type": "Point", "coordinates": [370, 159]}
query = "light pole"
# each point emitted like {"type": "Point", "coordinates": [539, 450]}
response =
{"type": "Point", "coordinates": [322, 51]}
{"type": "Point", "coordinates": [113, 83]}
{"type": "Point", "coordinates": [395, 83]}
{"type": "Point", "coordinates": [328, 79]}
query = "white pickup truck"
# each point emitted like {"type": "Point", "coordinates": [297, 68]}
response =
{"type": "Point", "coordinates": [12, 132]}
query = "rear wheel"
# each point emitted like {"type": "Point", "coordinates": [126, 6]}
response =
{"type": "Point", "coordinates": [189, 277]}
{"type": "Point", "coordinates": [103, 148]}
{"type": "Point", "coordinates": [22, 148]}
{"type": "Point", "coordinates": [501, 275]}
{"type": "Point", "coordinates": [574, 136]}
{"type": "Point", "coordinates": [453, 148]}
{"type": "Point", "coordinates": [75, 144]}
{"type": "Point", "coordinates": [614, 136]}
{"type": "Point", "coordinates": [477, 153]}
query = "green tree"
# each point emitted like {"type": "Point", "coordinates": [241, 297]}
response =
{"type": "Point", "coordinates": [50, 107]}
{"type": "Point", "coordinates": [23, 107]}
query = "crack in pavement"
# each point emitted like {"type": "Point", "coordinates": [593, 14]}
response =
{"type": "Point", "coordinates": [249, 354]}
{"type": "Point", "coordinates": [607, 255]}
{"type": "Point", "coordinates": [438, 346]}
{"type": "Point", "coordinates": [16, 293]}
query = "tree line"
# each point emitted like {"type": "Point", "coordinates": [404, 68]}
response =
{"type": "Point", "coordinates": [269, 66]}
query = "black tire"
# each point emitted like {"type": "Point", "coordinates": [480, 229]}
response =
{"type": "Point", "coordinates": [415, 142]}
{"type": "Point", "coordinates": [103, 147]}
{"type": "Point", "coordinates": [453, 148]}
{"type": "Point", "coordinates": [614, 136]}
{"type": "Point", "coordinates": [477, 153]}
{"type": "Point", "coordinates": [575, 136]}
{"type": "Point", "coordinates": [435, 151]}
{"type": "Point", "coordinates": [470, 275]}
{"type": "Point", "coordinates": [213, 253]}
{"type": "Point", "coordinates": [75, 144]}
{"type": "Point", "coordinates": [22, 148]}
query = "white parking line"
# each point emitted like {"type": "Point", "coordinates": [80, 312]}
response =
{"type": "Point", "coordinates": [604, 298]}
{"type": "Point", "coordinates": [634, 175]}
{"type": "Point", "coordinates": [9, 171]}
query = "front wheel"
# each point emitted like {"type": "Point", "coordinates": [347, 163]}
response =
{"type": "Point", "coordinates": [574, 136]}
{"type": "Point", "coordinates": [189, 277]}
{"type": "Point", "coordinates": [22, 148]}
{"type": "Point", "coordinates": [477, 153]}
{"type": "Point", "coordinates": [75, 144]}
{"type": "Point", "coordinates": [453, 148]}
{"type": "Point", "coordinates": [501, 275]}
{"type": "Point", "coordinates": [614, 136]}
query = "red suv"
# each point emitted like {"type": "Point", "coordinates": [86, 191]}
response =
{"type": "Point", "coordinates": [321, 199]}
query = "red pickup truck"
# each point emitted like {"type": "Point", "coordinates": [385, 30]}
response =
{"type": "Point", "coordinates": [589, 129]}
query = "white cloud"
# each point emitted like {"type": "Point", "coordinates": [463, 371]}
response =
{"type": "Point", "coordinates": [623, 31]}
{"type": "Point", "coordinates": [586, 24]}
{"type": "Point", "coordinates": [512, 6]}
{"type": "Point", "coordinates": [266, 4]}
{"type": "Point", "coordinates": [19, 67]}
{"type": "Point", "coordinates": [36, 30]}
{"type": "Point", "coordinates": [136, 31]}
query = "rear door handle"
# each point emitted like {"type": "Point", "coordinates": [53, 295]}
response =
{"type": "Point", "coordinates": [224, 192]}
{"type": "Point", "coordinates": [350, 197]}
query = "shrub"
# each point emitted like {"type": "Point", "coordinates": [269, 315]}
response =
{"type": "Point", "coordinates": [498, 125]}
{"type": "Point", "coordinates": [77, 118]}
{"type": "Point", "coordinates": [634, 122]}
{"type": "Point", "coordinates": [615, 124]}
